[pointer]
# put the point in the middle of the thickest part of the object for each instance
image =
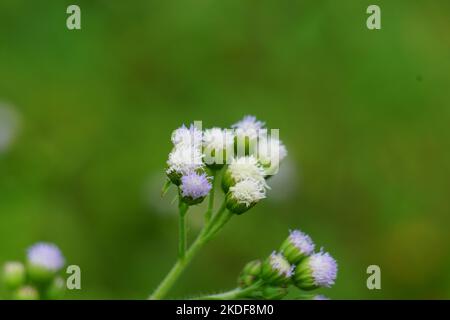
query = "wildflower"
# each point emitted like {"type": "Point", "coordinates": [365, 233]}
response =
{"type": "Point", "coordinates": [271, 151]}
{"type": "Point", "coordinates": [248, 127]}
{"type": "Point", "coordinates": [194, 187]}
{"type": "Point", "coordinates": [44, 260]}
{"type": "Point", "coordinates": [185, 136]}
{"type": "Point", "coordinates": [218, 144]}
{"type": "Point", "coordinates": [276, 269]}
{"type": "Point", "coordinates": [317, 270]}
{"type": "Point", "coordinates": [297, 246]}
{"type": "Point", "coordinates": [183, 160]}
{"type": "Point", "coordinates": [241, 169]}
{"type": "Point", "coordinates": [244, 195]}
{"type": "Point", "coordinates": [14, 274]}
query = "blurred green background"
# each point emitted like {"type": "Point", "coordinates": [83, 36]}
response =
{"type": "Point", "coordinates": [365, 116]}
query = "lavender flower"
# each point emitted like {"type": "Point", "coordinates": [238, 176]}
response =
{"type": "Point", "coordinates": [297, 246]}
{"type": "Point", "coordinates": [194, 187]}
{"type": "Point", "coordinates": [276, 269]}
{"type": "Point", "coordinates": [324, 269]}
{"type": "Point", "coordinates": [317, 270]}
{"type": "Point", "coordinates": [46, 255]}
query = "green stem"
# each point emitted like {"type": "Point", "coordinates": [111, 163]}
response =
{"type": "Point", "coordinates": [183, 208]}
{"type": "Point", "coordinates": [233, 294]}
{"type": "Point", "coordinates": [209, 212]}
{"type": "Point", "coordinates": [204, 237]}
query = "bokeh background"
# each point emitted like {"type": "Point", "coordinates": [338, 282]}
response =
{"type": "Point", "coordinates": [86, 117]}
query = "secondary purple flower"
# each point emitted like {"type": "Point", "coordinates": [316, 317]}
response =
{"type": "Point", "coordinates": [194, 187]}
{"type": "Point", "coordinates": [297, 246]}
{"type": "Point", "coordinates": [320, 297]}
{"type": "Point", "coordinates": [276, 269]}
{"type": "Point", "coordinates": [46, 256]}
{"type": "Point", "coordinates": [317, 270]}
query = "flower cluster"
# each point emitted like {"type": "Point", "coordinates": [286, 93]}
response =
{"type": "Point", "coordinates": [250, 156]}
{"type": "Point", "coordinates": [37, 278]}
{"type": "Point", "coordinates": [296, 264]}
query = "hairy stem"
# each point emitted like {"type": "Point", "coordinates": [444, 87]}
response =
{"type": "Point", "coordinates": [207, 233]}
{"type": "Point", "coordinates": [182, 240]}
{"type": "Point", "coordinates": [232, 294]}
{"type": "Point", "coordinates": [210, 210]}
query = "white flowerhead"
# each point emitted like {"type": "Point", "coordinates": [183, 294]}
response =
{"type": "Point", "coordinates": [184, 159]}
{"type": "Point", "coordinates": [248, 192]}
{"type": "Point", "coordinates": [249, 127]}
{"type": "Point", "coordinates": [185, 136]}
{"type": "Point", "coordinates": [218, 139]}
{"type": "Point", "coordinates": [271, 151]}
{"type": "Point", "coordinates": [247, 168]}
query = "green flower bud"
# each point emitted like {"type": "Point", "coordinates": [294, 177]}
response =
{"type": "Point", "coordinates": [274, 293]}
{"type": "Point", "coordinates": [56, 289]}
{"type": "Point", "coordinates": [13, 275]}
{"type": "Point", "coordinates": [276, 270]}
{"type": "Point", "coordinates": [250, 273]}
{"type": "Point", "coordinates": [26, 293]}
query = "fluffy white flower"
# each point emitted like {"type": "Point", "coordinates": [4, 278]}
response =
{"type": "Point", "coordinates": [218, 139]}
{"type": "Point", "coordinates": [271, 151]}
{"type": "Point", "coordinates": [248, 192]}
{"type": "Point", "coordinates": [249, 127]}
{"type": "Point", "coordinates": [247, 168]}
{"type": "Point", "coordinates": [185, 136]}
{"type": "Point", "coordinates": [184, 159]}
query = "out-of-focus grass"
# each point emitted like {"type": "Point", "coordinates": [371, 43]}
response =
{"type": "Point", "coordinates": [363, 113]}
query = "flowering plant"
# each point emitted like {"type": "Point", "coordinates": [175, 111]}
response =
{"type": "Point", "coordinates": [243, 159]}
{"type": "Point", "coordinates": [38, 277]}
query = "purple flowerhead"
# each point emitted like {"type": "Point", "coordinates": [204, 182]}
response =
{"type": "Point", "coordinates": [195, 185]}
{"type": "Point", "coordinates": [46, 255]}
{"type": "Point", "coordinates": [324, 269]}
{"type": "Point", "coordinates": [302, 242]}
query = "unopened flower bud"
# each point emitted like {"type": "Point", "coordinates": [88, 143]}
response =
{"type": "Point", "coordinates": [56, 289]}
{"type": "Point", "coordinates": [13, 275]}
{"type": "Point", "coordinates": [26, 293]}
{"type": "Point", "coordinates": [250, 273]}
{"type": "Point", "coordinates": [274, 293]}
{"type": "Point", "coordinates": [276, 270]}
{"type": "Point", "coordinates": [297, 246]}
{"type": "Point", "coordinates": [317, 270]}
